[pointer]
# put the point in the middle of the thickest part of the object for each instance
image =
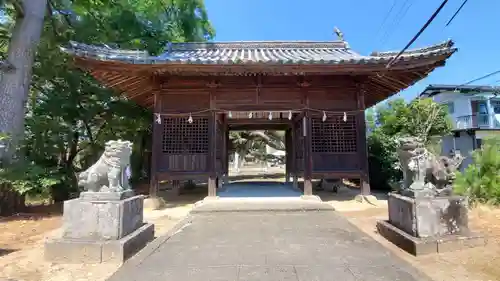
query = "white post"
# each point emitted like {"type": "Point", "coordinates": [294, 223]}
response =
{"type": "Point", "coordinates": [491, 114]}
{"type": "Point", "coordinates": [236, 162]}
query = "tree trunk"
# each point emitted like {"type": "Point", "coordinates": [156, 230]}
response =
{"type": "Point", "coordinates": [11, 202]}
{"type": "Point", "coordinates": [15, 83]}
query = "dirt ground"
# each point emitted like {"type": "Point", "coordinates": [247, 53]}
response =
{"type": "Point", "coordinates": [476, 264]}
{"type": "Point", "coordinates": [22, 237]}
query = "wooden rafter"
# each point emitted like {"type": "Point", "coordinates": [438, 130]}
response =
{"type": "Point", "coordinates": [139, 82]}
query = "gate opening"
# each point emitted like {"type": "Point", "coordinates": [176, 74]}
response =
{"type": "Point", "coordinates": [257, 165]}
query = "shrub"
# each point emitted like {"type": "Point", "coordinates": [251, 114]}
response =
{"type": "Point", "coordinates": [382, 160]}
{"type": "Point", "coordinates": [481, 180]}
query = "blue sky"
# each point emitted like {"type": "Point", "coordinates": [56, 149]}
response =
{"type": "Point", "coordinates": [476, 30]}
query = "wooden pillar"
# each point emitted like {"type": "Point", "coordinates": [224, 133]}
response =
{"type": "Point", "coordinates": [212, 141]}
{"type": "Point", "coordinates": [361, 143]}
{"type": "Point", "coordinates": [306, 123]}
{"type": "Point", "coordinates": [293, 160]}
{"type": "Point", "coordinates": [212, 157]}
{"type": "Point", "coordinates": [228, 142]}
{"type": "Point", "coordinates": [156, 148]}
{"type": "Point", "coordinates": [225, 145]}
{"type": "Point", "coordinates": [176, 187]}
{"type": "Point", "coordinates": [288, 156]}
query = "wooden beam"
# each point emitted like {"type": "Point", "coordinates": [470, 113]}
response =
{"type": "Point", "coordinates": [258, 86]}
{"type": "Point", "coordinates": [138, 82]}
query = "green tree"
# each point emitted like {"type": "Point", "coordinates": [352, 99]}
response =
{"type": "Point", "coordinates": [481, 180]}
{"type": "Point", "coordinates": [129, 24]}
{"type": "Point", "coordinates": [382, 160]}
{"type": "Point", "coordinates": [253, 143]}
{"type": "Point", "coordinates": [421, 118]}
{"type": "Point", "coordinates": [69, 115]}
{"type": "Point", "coordinates": [23, 33]}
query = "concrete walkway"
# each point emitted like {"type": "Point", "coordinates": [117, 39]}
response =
{"type": "Point", "coordinates": [267, 245]}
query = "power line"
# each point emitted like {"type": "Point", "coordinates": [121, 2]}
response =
{"type": "Point", "coordinates": [481, 78]}
{"type": "Point", "coordinates": [386, 17]}
{"type": "Point", "coordinates": [391, 26]}
{"type": "Point", "coordinates": [399, 16]}
{"type": "Point", "coordinates": [429, 21]}
{"type": "Point", "coordinates": [457, 12]}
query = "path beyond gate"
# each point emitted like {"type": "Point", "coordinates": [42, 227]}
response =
{"type": "Point", "coordinates": [260, 246]}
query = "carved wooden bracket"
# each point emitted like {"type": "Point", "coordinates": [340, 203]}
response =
{"type": "Point", "coordinates": [160, 80]}
{"type": "Point", "coordinates": [360, 95]}
{"type": "Point", "coordinates": [258, 80]}
{"type": "Point", "coordinates": [213, 84]}
{"type": "Point", "coordinates": [302, 82]}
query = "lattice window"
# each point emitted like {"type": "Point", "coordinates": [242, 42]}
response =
{"type": "Point", "coordinates": [182, 137]}
{"type": "Point", "coordinates": [334, 135]}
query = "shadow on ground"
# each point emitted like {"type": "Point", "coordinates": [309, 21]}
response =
{"type": "Point", "coordinates": [251, 184]}
{"type": "Point", "coordinates": [255, 189]}
{"type": "Point", "coordinates": [4, 252]}
{"type": "Point", "coordinates": [36, 212]}
{"type": "Point", "coordinates": [185, 198]}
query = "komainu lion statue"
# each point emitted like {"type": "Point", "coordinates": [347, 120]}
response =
{"type": "Point", "coordinates": [423, 170]}
{"type": "Point", "coordinates": [108, 174]}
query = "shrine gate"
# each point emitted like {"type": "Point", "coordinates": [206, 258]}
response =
{"type": "Point", "coordinates": [316, 91]}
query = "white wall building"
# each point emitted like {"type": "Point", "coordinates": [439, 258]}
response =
{"type": "Point", "coordinates": [475, 113]}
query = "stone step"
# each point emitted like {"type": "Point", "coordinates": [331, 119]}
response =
{"type": "Point", "coordinates": [252, 204]}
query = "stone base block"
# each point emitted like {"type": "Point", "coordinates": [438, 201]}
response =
{"type": "Point", "coordinates": [370, 199]}
{"type": "Point", "coordinates": [102, 220]}
{"type": "Point", "coordinates": [64, 250]}
{"type": "Point", "coordinates": [106, 196]}
{"type": "Point", "coordinates": [422, 246]}
{"type": "Point", "coordinates": [429, 217]}
{"type": "Point", "coordinates": [291, 204]}
{"type": "Point", "coordinates": [154, 203]}
{"type": "Point", "coordinates": [310, 197]}
{"type": "Point", "coordinates": [211, 198]}
{"type": "Point", "coordinates": [425, 193]}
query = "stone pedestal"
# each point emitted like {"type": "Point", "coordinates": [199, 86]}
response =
{"type": "Point", "coordinates": [421, 225]}
{"type": "Point", "coordinates": [427, 216]}
{"type": "Point", "coordinates": [100, 227]}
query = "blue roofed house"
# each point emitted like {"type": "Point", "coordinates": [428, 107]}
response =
{"type": "Point", "coordinates": [475, 113]}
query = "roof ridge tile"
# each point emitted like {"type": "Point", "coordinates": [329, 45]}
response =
{"type": "Point", "coordinates": [253, 52]}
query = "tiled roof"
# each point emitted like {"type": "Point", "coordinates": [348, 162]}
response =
{"type": "Point", "coordinates": [296, 52]}
{"type": "Point", "coordinates": [432, 90]}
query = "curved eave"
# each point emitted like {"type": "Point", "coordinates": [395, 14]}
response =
{"type": "Point", "coordinates": [134, 78]}
{"type": "Point", "coordinates": [138, 88]}
{"type": "Point", "coordinates": [239, 68]}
